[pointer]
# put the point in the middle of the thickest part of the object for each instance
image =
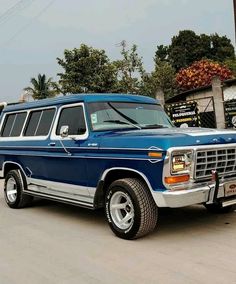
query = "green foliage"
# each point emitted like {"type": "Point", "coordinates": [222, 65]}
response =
{"type": "Point", "coordinates": [162, 78]}
{"type": "Point", "coordinates": [42, 88]}
{"type": "Point", "coordinates": [231, 64]}
{"type": "Point", "coordinates": [161, 53]}
{"type": "Point", "coordinates": [184, 49]}
{"type": "Point", "coordinates": [188, 47]}
{"type": "Point", "coordinates": [221, 48]}
{"type": "Point", "coordinates": [129, 70]}
{"type": "Point", "coordinates": [86, 69]}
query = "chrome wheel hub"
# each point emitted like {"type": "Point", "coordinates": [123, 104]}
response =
{"type": "Point", "coordinates": [11, 191]}
{"type": "Point", "coordinates": [122, 210]}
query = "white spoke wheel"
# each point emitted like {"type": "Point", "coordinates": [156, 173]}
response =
{"type": "Point", "coordinates": [122, 210]}
{"type": "Point", "coordinates": [13, 190]}
{"type": "Point", "coordinates": [130, 209]}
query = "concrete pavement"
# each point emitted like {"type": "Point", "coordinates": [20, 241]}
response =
{"type": "Point", "coordinates": [56, 243]}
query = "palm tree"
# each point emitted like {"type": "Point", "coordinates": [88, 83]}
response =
{"type": "Point", "coordinates": [42, 88]}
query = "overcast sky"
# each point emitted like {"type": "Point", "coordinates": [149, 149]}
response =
{"type": "Point", "coordinates": [34, 32]}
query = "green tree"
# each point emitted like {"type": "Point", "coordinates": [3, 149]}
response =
{"type": "Point", "coordinates": [162, 78]}
{"type": "Point", "coordinates": [129, 70]}
{"type": "Point", "coordinates": [86, 69]}
{"type": "Point", "coordinates": [221, 48]}
{"type": "Point", "coordinates": [231, 64]}
{"type": "Point", "coordinates": [42, 88]}
{"type": "Point", "coordinates": [188, 47]}
{"type": "Point", "coordinates": [184, 49]}
{"type": "Point", "coordinates": [161, 54]}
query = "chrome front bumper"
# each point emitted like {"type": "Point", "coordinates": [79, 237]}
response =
{"type": "Point", "coordinates": [195, 194]}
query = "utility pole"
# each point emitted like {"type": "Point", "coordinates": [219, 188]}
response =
{"type": "Point", "coordinates": [234, 3]}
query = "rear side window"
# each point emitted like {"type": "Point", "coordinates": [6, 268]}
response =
{"type": "Point", "coordinates": [13, 124]}
{"type": "Point", "coordinates": [39, 122]}
{"type": "Point", "coordinates": [74, 118]}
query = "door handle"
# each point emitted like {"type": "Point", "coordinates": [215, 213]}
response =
{"type": "Point", "coordinates": [52, 144]}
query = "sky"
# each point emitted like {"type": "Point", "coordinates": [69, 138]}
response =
{"type": "Point", "coordinates": [33, 33]}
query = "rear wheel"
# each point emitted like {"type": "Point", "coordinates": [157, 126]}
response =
{"type": "Point", "coordinates": [13, 190]}
{"type": "Point", "coordinates": [130, 209]}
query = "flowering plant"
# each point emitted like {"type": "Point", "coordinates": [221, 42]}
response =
{"type": "Point", "coordinates": [200, 74]}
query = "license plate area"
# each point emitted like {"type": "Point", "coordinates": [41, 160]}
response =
{"type": "Point", "coordinates": [230, 188]}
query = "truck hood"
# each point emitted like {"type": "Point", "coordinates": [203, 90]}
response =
{"type": "Point", "coordinates": [165, 138]}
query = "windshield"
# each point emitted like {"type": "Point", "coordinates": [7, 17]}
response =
{"type": "Point", "coordinates": [123, 115]}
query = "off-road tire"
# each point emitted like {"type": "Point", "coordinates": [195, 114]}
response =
{"type": "Point", "coordinates": [145, 210]}
{"type": "Point", "coordinates": [15, 177]}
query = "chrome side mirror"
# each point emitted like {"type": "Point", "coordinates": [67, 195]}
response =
{"type": "Point", "coordinates": [64, 131]}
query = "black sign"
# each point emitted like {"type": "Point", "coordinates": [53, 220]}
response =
{"type": "Point", "coordinates": [184, 114]}
{"type": "Point", "coordinates": [230, 113]}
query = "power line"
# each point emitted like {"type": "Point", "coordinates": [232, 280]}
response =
{"type": "Point", "coordinates": [28, 24]}
{"type": "Point", "coordinates": [20, 5]}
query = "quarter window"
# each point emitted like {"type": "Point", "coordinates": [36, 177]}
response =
{"type": "Point", "coordinates": [74, 118]}
{"type": "Point", "coordinates": [39, 122]}
{"type": "Point", "coordinates": [13, 124]}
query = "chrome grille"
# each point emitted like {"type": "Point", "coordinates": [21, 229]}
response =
{"type": "Point", "coordinates": [223, 160]}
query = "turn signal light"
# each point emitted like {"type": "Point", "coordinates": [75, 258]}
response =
{"type": "Point", "coordinates": [176, 179]}
{"type": "Point", "coordinates": [155, 155]}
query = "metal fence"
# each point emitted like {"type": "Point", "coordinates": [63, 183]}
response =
{"type": "Point", "coordinates": [194, 113]}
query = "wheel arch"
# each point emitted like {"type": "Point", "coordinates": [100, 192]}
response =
{"type": "Point", "coordinates": [112, 174]}
{"type": "Point", "coordinates": [9, 165]}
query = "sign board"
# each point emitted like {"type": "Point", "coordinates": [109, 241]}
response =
{"type": "Point", "coordinates": [184, 114]}
{"type": "Point", "coordinates": [230, 113]}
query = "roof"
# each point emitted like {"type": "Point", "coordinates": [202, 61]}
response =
{"type": "Point", "coordinates": [81, 98]}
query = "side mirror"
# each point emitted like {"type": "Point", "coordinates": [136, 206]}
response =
{"type": "Point", "coordinates": [64, 131]}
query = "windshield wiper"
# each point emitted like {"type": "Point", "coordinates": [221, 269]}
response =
{"type": "Point", "coordinates": [129, 119]}
{"type": "Point", "coordinates": [121, 122]}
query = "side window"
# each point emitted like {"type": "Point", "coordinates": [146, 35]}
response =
{"type": "Point", "coordinates": [74, 118]}
{"type": "Point", "coordinates": [13, 124]}
{"type": "Point", "coordinates": [39, 122]}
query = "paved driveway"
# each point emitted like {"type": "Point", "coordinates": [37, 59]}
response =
{"type": "Point", "coordinates": [56, 243]}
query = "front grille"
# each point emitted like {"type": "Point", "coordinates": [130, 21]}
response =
{"type": "Point", "coordinates": [223, 160]}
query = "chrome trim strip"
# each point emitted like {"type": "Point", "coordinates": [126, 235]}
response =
{"type": "Point", "coordinates": [198, 193]}
{"type": "Point", "coordinates": [83, 148]}
{"type": "Point", "coordinates": [215, 132]}
{"type": "Point", "coordinates": [53, 135]}
{"type": "Point", "coordinates": [27, 138]}
{"type": "Point", "coordinates": [62, 190]}
{"type": "Point", "coordinates": [202, 147]}
{"type": "Point", "coordinates": [127, 169]}
{"type": "Point", "coordinates": [229, 203]}
{"type": "Point", "coordinates": [82, 157]}
{"type": "Point", "coordinates": [61, 199]}
{"type": "Point", "coordinates": [10, 162]}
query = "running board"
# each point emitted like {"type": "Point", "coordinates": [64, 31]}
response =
{"type": "Point", "coordinates": [60, 199]}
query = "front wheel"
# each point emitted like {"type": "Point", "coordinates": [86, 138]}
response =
{"type": "Point", "coordinates": [13, 190]}
{"type": "Point", "coordinates": [130, 209]}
